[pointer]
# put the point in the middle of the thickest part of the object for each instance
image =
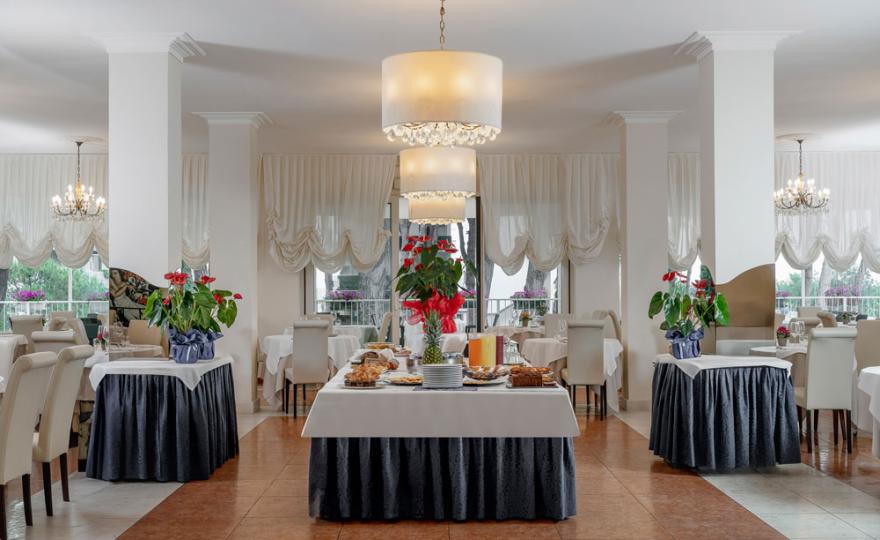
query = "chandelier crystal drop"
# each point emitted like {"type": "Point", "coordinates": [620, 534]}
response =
{"type": "Point", "coordinates": [800, 195]}
{"type": "Point", "coordinates": [440, 97]}
{"type": "Point", "coordinates": [78, 203]}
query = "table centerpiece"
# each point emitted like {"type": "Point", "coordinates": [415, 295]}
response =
{"type": "Point", "coordinates": [686, 315]}
{"type": "Point", "coordinates": [782, 335]}
{"type": "Point", "coordinates": [191, 313]}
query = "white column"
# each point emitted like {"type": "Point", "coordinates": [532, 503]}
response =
{"type": "Point", "coordinates": [234, 206]}
{"type": "Point", "coordinates": [144, 150]}
{"type": "Point", "coordinates": [644, 175]}
{"type": "Point", "coordinates": [736, 148]}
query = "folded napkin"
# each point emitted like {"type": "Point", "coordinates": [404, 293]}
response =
{"type": "Point", "coordinates": [387, 354]}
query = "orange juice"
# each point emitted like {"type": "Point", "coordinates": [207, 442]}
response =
{"type": "Point", "coordinates": [475, 352]}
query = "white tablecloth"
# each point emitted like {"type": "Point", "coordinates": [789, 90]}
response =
{"type": "Point", "coordinates": [356, 330]}
{"type": "Point", "coordinates": [189, 374]}
{"type": "Point", "coordinates": [133, 352]}
{"type": "Point", "coordinates": [403, 411]}
{"type": "Point", "coordinates": [869, 386]}
{"type": "Point", "coordinates": [542, 352]}
{"type": "Point", "coordinates": [22, 340]}
{"type": "Point", "coordinates": [693, 366]}
{"type": "Point", "coordinates": [278, 349]}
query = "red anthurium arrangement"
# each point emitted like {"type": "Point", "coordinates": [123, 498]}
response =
{"type": "Point", "coordinates": [428, 280]}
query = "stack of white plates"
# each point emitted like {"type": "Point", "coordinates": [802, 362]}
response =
{"type": "Point", "coordinates": [441, 375]}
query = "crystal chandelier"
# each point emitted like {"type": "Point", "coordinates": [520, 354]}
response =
{"type": "Point", "coordinates": [800, 196]}
{"type": "Point", "coordinates": [78, 204]}
{"type": "Point", "coordinates": [442, 97]}
{"type": "Point", "coordinates": [438, 172]}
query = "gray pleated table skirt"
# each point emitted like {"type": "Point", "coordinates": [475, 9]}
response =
{"type": "Point", "coordinates": [152, 427]}
{"type": "Point", "coordinates": [724, 419]}
{"type": "Point", "coordinates": [441, 478]}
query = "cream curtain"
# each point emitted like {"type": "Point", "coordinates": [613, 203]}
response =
{"type": "Point", "coordinates": [29, 233]}
{"type": "Point", "coordinates": [548, 208]}
{"type": "Point", "coordinates": [196, 251]}
{"type": "Point", "coordinates": [327, 209]}
{"type": "Point", "coordinates": [27, 230]}
{"type": "Point", "coordinates": [852, 225]}
{"type": "Point", "coordinates": [684, 210]}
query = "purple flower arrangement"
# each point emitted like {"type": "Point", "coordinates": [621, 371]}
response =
{"type": "Point", "coordinates": [783, 294]}
{"type": "Point", "coordinates": [26, 295]}
{"type": "Point", "coordinates": [530, 299]}
{"type": "Point", "coordinates": [530, 293]}
{"type": "Point", "coordinates": [469, 293]}
{"type": "Point", "coordinates": [843, 290]}
{"type": "Point", "coordinates": [344, 295]}
{"type": "Point", "coordinates": [98, 296]}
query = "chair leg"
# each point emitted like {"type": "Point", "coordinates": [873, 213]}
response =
{"type": "Point", "coordinates": [26, 498]}
{"type": "Point", "coordinates": [800, 415]}
{"type": "Point", "coordinates": [65, 488]}
{"type": "Point", "coordinates": [574, 397]}
{"type": "Point", "coordinates": [809, 432]}
{"type": "Point", "coordinates": [834, 416]}
{"type": "Point", "coordinates": [284, 397]}
{"type": "Point", "coordinates": [294, 400]}
{"type": "Point", "coordinates": [816, 426]}
{"type": "Point", "coordinates": [304, 395]}
{"type": "Point", "coordinates": [848, 431]}
{"type": "Point", "coordinates": [604, 401]}
{"type": "Point", "coordinates": [2, 512]}
{"type": "Point", "coordinates": [47, 487]}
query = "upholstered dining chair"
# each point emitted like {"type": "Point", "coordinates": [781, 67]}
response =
{"type": "Point", "coordinates": [18, 415]}
{"type": "Point", "coordinates": [611, 320]}
{"type": "Point", "coordinates": [141, 333]}
{"type": "Point", "coordinates": [385, 326]}
{"type": "Point", "coordinates": [7, 354]}
{"type": "Point", "coordinates": [867, 343]}
{"type": "Point", "coordinates": [828, 378]}
{"type": "Point", "coordinates": [551, 323]}
{"type": "Point", "coordinates": [808, 311]}
{"type": "Point", "coordinates": [309, 360]}
{"type": "Point", "coordinates": [26, 325]}
{"type": "Point", "coordinates": [740, 347]}
{"type": "Point", "coordinates": [586, 364]}
{"type": "Point", "coordinates": [53, 439]}
{"type": "Point", "coordinates": [827, 319]}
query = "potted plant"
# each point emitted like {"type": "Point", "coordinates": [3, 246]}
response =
{"type": "Point", "coordinates": [191, 314]}
{"type": "Point", "coordinates": [32, 301]}
{"type": "Point", "coordinates": [686, 315]}
{"type": "Point", "coordinates": [782, 335]}
{"type": "Point", "coordinates": [530, 299]}
{"type": "Point", "coordinates": [524, 318]}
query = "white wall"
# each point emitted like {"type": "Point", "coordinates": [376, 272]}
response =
{"type": "Point", "coordinates": [280, 292]}
{"type": "Point", "coordinates": [596, 285]}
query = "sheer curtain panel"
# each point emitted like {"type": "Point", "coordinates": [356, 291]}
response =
{"type": "Point", "coordinates": [548, 208]}
{"type": "Point", "coordinates": [327, 209]}
{"type": "Point", "coordinates": [28, 231]}
{"type": "Point", "coordinates": [852, 225]}
{"type": "Point", "coordinates": [684, 210]}
{"type": "Point", "coordinates": [196, 252]}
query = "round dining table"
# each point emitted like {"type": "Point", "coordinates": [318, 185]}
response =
{"type": "Point", "coordinates": [869, 385]}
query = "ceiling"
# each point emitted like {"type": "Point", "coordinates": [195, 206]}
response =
{"type": "Point", "coordinates": [313, 66]}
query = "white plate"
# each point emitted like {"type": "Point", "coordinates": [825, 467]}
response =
{"type": "Point", "coordinates": [477, 382]}
{"type": "Point", "coordinates": [379, 384]}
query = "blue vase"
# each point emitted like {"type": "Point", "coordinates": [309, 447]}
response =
{"type": "Point", "coordinates": [685, 346]}
{"type": "Point", "coordinates": [193, 345]}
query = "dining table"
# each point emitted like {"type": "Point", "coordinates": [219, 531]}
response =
{"type": "Point", "coordinates": [721, 413]}
{"type": "Point", "coordinates": [553, 352]}
{"type": "Point", "coordinates": [406, 452]}
{"type": "Point", "coordinates": [510, 331]}
{"type": "Point", "coordinates": [156, 419]}
{"type": "Point", "coordinates": [278, 350]}
{"type": "Point", "coordinates": [869, 386]}
{"type": "Point", "coordinates": [364, 332]}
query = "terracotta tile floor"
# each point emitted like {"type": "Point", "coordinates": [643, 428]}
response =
{"type": "Point", "coordinates": [623, 492]}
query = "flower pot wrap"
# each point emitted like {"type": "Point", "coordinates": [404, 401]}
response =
{"type": "Point", "coordinates": [685, 346]}
{"type": "Point", "coordinates": [192, 346]}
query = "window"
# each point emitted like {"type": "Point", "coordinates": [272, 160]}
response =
{"type": "Point", "coordinates": [528, 290]}
{"type": "Point", "coordinates": [856, 290]}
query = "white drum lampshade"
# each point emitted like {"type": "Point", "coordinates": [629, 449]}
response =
{"type": "Point", "coordinates": [436, 211]}
{"type": "Point", "coordinates": [438, 172]}
{"type": "Point", "coordinates": [442, 97]}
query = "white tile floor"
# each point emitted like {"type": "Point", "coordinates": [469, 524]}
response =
{"type": "Point", "coordinates": [796, 500]}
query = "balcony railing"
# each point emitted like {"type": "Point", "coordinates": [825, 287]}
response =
{"type": "Point", "coordinates": [864, 305]}
{"type": "Point", "coordinates": [80, 307]}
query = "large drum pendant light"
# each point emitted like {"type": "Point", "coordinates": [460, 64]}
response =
{"type": "Point", "coordinates": [439, 172]}
{"type": "Point", "coordinates": [437, 211]}
{"type": "Point", "coordinates": [442, 97]}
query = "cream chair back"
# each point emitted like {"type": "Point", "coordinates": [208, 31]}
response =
{"type": "Point", "coordinates": [612, 322]}
{"type": "Point", "coordinates": [740, 347]}
{"type": "Point", "coordinates": [18, 412]}
{"type": "Point", "coordinates": [141, 333]}
{"type": "Point", "coordinates": [67, 315]}
{"type": "Point", "coordinates": [61, 397]}
{"type": "Point", "coordinates": [385, 326]}
{"type": "Point", "coordinates": [827, 319]}
{"type": "Point", "coordinates": [551, 324]}
{"type": "Point", "coordinates": [7, 354]}
{"type": "Point", "coordinates": [25, 325]}
{"type": "Point", "coordinates": [586, 345]}
{"type": "Point", "coordinates": [310, 358]}
{"type": "Point", "coordinates": [805, 311]}
{"type": "Point", "coordinates": [868, 343]}
{"type": "Point", "coordinates": [829, 369]}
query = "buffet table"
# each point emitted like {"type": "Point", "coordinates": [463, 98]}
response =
{"type": "Point", "coordinates": [553, 352]}
{"type": "Point", "coordinates": [365, 333]}
{"type": "Point", "coordinates": [724, 412]}
{"type": "Point", "coordinates": [160, 420]}
{"type": "Point", "coordinates": [869, 384]}
{"type": "Point", "coordinates": [403, 452]}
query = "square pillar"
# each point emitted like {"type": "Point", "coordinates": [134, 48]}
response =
{"type": "Point", "coordinates": [234, 205]}
{"type": "Point", "coordinates": [644, 174]}
{"type": "Point", "coordinates": [144, 202]}
{"type": "Point", "coordinates": [736, 148]}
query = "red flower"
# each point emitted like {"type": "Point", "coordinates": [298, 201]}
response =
{"type": "Point", "coordinates": [424, 238]}
{"type": "Point", "coordinates": [407, 263]}
{"type": "Point", "coordinates": [412, 238]}
{"type": "Point", "coordinates": [442, 243]}
{"type": "Point", "coordinates": [701, 294]}
{"type": "Point", "coordinates": [669, 276]}
{"type": "Point", "coordinates": [237, 296]}
{"type": "Point", "coordinates": [179, 278]}
{"type": "Point", "coordinates": [218, 298]}
{"type": "Point", "coordinates": [701, 284]}
{"type": "Point", "coordinates": [169, 275]}
{"type": "Point", "coordinates": [419, 266]}
{"type": "Point", "coordinates": [458, 260]}
{"type": "Point", "coordinates": [207, 279]}
{"type": "Point", "coordinates": [450, 250]}
{"type": "Point", "coordinates": [166, 300]}
{"type": "Point", "coordinates": [408, 247]}
{"type": "Point", "coordinates": [418, 249]}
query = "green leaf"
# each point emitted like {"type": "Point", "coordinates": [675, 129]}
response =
{"type": "Point", "coordinates": [722, 312]}
{"type": "Point", "coordinates": [656, 304]}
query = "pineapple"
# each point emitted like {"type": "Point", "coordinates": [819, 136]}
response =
{"type": "Point", "coordinates": [433, 331]}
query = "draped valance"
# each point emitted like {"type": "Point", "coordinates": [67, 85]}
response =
{"type": "Point", "coordinates": [30, 234]}
{"type": "Point", "coordinates": [326, 209]}
{"type": "Point", "coordinates": [683, 213]}
{"type": "Point", "coordinates": [548, 208]}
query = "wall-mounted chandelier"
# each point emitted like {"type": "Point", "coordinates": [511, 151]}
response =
{"type": "Point", "coordinates": [800, 195]}
{"type": "Point", "coordinates": [79, 203]}
{"type": "Point", "coordinates": [442, 97]}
